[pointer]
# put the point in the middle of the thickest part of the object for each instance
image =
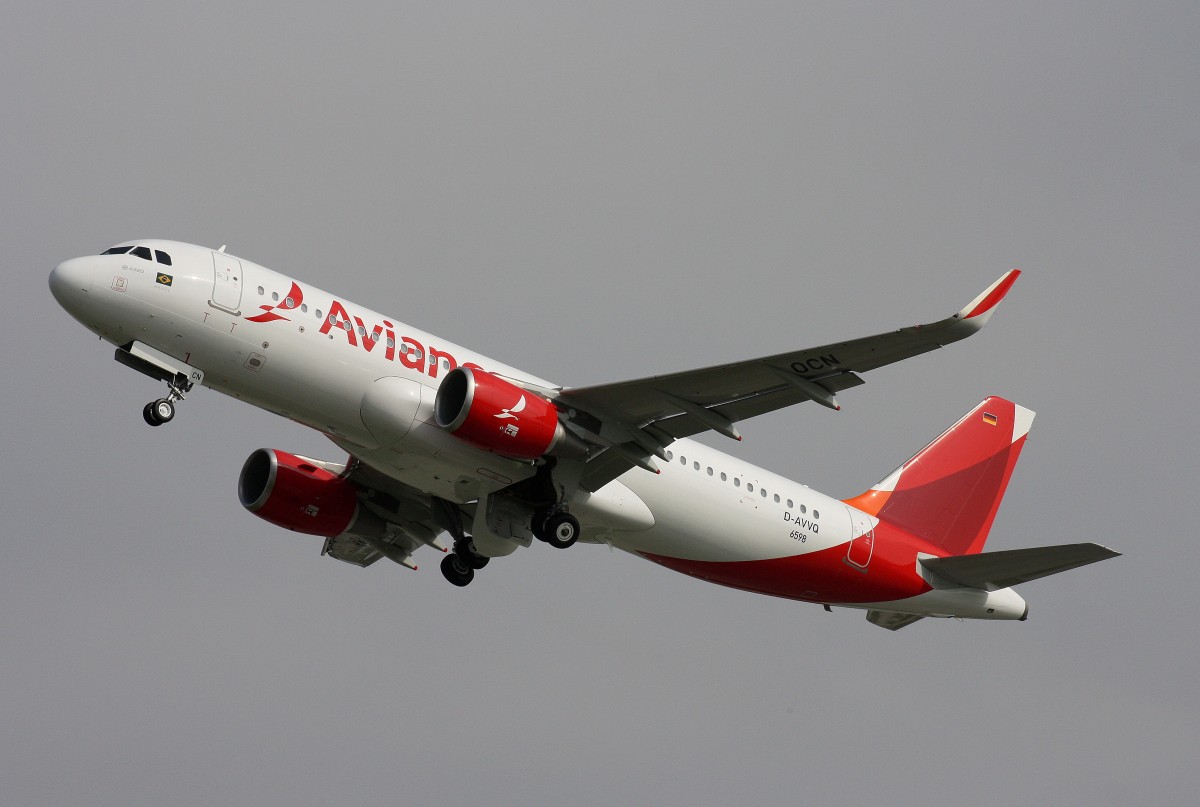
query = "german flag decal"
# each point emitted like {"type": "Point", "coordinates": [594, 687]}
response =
{"type": "Point", "coordinates": [989, 418]}
{"type": "Point", "coordinates": [164, 279]}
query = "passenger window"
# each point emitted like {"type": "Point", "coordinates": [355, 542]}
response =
{"type": "Point", "coordinates": [776, 498]}
{"type": "Point", "coordinates": [816, 514]}
{"type": "Point", "coordinates": [749, 487]}
{"type": "Point", "coordinates": [790, 505]}
{"type": "Point", "coordinates": [710, 472]}
{"type": "Point", "coordinates": [763, 492]}
{"type": "Point", "coordinates": [724, 478]}
{"type": "Point", "coordinates": [162, 257]}
{"type": "Point", "coordinates": [737, 483]}
{"type": "Point", "coordinates": [141, 252]}
{"type": "Point", "coordinates": [696, 465]}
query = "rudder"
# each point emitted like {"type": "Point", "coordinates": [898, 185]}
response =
{"type": "Point", "coordinates": [949, 492]}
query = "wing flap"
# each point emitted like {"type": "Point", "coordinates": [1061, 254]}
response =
{"type": "Point", "coordinates": [995, 570]}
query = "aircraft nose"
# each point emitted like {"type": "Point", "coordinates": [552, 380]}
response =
{"type": "Point", "coordinates": [70, 279]}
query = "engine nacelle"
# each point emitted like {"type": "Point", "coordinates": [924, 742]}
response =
{"type": "Point", "coordinates": [293, 493]}
{"type": "Point", "coordinates": [495, 415]}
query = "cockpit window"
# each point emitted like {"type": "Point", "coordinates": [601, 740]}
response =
{"type": "Point", "coordinates": [141, 252]}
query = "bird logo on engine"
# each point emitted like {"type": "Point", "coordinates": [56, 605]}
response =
{"type": "Point", "coordinates": [511, 413]}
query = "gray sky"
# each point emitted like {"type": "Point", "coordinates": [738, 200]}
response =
{"type": "Point", "coordinates": [597, 193]}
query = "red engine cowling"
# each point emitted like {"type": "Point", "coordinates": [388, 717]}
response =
{"type": "Point", "coordinates": [293, 493]}
{"type": "Point", "coordinates": [489, 412]}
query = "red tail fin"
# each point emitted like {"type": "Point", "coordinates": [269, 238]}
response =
{"type": "Point", "coordinates": [948, 494]}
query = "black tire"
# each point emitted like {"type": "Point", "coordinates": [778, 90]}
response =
{"type": "Point", "coordinates": [465, 549]}
{"type": "Point", "coordinates": [164, 410]}
{"type": "Point", "coordinates": [148, 414]}
{"type": "Point", "coordinates": [562, 530]}
{"type": "Point", "coordinates": [456, 570]}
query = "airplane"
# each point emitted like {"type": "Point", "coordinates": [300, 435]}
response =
{"type": "Point", "coordinates": [445, 441]}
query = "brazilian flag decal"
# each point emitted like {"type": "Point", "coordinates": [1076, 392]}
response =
{"type": "Point", "coordinates": [164, 279]}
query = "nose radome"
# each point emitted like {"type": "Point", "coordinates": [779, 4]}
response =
{"type": "Point", "coordinates": [69, 279]}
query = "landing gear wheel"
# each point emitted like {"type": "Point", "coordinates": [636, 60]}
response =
{"type": "Point", "coordinates": [466, 550]}
{"type": "Point", "coordinates": [456, 570]}
{"type": "Point", "coordinates": [164, 410]}
{"type": "Point", "coordinates": [561, 530]}
{"type": "Point", "coordinates": [156, 413]}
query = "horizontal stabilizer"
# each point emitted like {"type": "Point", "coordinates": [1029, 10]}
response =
{"type": "Point", "coordinates": [994, 570]}
{"type": "Point", "coordinates": [892, 620]}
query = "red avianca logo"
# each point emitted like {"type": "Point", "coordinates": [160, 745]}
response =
{"type": "Point", "coordinates": [405, 349]}
{"type": "Point", "coordinates": [294, 297]}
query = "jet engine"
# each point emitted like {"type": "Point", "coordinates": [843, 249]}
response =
{"type": "Point", "coordinates": [294, 493]}
{"type": "Point", "coordinates": [498, 416]}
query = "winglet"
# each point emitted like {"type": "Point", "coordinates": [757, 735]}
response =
{"type": "Point", "coordinates": [982, 306]}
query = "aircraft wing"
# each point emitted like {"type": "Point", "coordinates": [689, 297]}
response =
{"type": "Point", "coordinates": [404, 520]}
{"type": "Point", "coordinates": [635, 420]}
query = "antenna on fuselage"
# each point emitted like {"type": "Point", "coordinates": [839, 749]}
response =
{"type": "Point", "coordinates": [222, 249]}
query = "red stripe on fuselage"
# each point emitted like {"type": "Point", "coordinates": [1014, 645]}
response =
{"type": "Point", "coordinates": [823, 576]}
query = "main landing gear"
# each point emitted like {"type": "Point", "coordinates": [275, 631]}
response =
{"type": "Point", "coordinates": [554, 526]}
{"type": "Point", "coordinates": [559, 528]}
{"type": "Point", "coordinates": [459, 565]}
{"type": "Point", "coordinates": [156, 413]}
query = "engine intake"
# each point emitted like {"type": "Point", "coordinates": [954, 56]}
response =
{"type": "Point", "coordinates": [497, 416]}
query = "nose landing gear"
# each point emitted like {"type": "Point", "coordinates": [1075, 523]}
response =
{"type": "Point", "coordinates": [156, 413]}
{"type": "Point", "coordinates": [180, 378]}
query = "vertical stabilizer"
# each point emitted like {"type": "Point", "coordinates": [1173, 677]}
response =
{"type": "Point", "coordinates": [948, 494]}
